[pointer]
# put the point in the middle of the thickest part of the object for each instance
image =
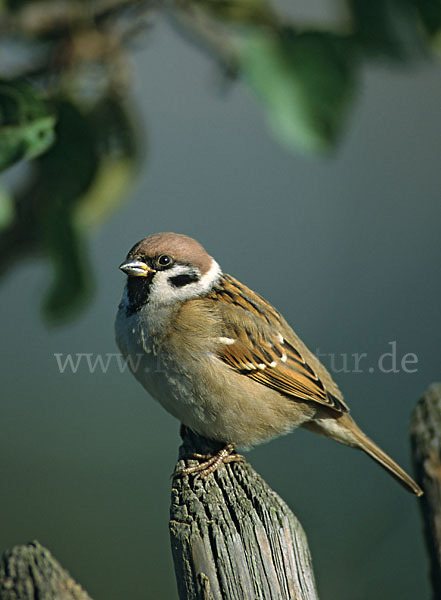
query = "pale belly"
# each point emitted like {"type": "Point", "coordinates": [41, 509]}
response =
{"type": "Point", "coordinates": [166, 381]}
{"type": "Point", "coordinates": [209, 397]}
{"type": "Point", "coordinates": [172, 388]}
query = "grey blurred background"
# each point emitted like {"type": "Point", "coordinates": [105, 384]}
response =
{"type": "Point", "coordinates": [347, 247]}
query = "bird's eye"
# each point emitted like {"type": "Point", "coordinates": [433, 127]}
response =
{"type": "Point", "coordinates": [164, 260]}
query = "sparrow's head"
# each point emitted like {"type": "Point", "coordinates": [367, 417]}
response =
{"type": "Point", "coordinates": [168, 267]}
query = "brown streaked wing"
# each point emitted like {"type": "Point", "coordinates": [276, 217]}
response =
{"type": "Point", "coordinates": [260, 351]}
{"type": "Point", "coordinates": [235, 293]}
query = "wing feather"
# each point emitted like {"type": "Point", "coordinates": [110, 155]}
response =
{"type": "Point", "coordinates": [268, 351]}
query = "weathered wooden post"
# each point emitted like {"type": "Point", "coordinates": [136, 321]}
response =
{"type": "Point", "coordinates": [233, 537]}
{"type": "Point", "coordinates": [30, 572]}
{"type": "Point", "coordinates": [425, 430]}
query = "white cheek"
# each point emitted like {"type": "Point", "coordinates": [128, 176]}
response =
{"type": "Point", "coordinates": [161, 289]}
{"type": "Point", "coordinates": [164, 292]}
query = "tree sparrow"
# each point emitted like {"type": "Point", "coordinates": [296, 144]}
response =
{"type": "Point", "coordinates": [221, 359]}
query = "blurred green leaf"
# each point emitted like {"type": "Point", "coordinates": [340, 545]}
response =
{"type": "Point", "coordinates": [114, 132]}
{"type": "Point", "coordinates": [65, 172]}
{"type": "Point", "coordinates": [26, 123]}
{"type": "Point", "coordinates": [7, 209]}
{"type": "Point", "coordinates": [430, 12]}
{"type": "Point", "coordinates": [75, 185]}
{"type": "Point", "coordinates": [306, 81]}
{"type": "Point", "coordinates": [389, 28]}
{"type": "Point", "coordinates": [238, 11]}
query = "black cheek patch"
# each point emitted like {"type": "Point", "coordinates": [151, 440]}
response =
{"type": "Point", "coordinates": [184, 279]}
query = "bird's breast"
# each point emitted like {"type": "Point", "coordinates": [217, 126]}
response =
{"type": "Point", "coordinates": [176, 363]}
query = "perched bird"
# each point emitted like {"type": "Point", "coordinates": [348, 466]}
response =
{"type": "Point", "coordinates": [221, 359]}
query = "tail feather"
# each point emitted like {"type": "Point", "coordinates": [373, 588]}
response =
{"type": "Point", "coordinates": [344, 430]}
{"type": "Point", "coordinates": [385, 461]}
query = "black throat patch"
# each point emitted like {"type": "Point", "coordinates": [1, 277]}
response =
{"type": "Point", "coordinates": [138, 291]}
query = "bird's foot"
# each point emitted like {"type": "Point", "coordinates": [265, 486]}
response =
{"type": "Point", "coordinates": [211, 462]}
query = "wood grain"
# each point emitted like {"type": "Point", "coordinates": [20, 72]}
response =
{"type": "Point", "coordinates": [233, 537]}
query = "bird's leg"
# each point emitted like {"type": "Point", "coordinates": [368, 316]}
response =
{"type": "Point", "coordinates": [211, 462]}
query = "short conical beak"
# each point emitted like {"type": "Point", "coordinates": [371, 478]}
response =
{"type": "Point", "coordinates": [136, 268]}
